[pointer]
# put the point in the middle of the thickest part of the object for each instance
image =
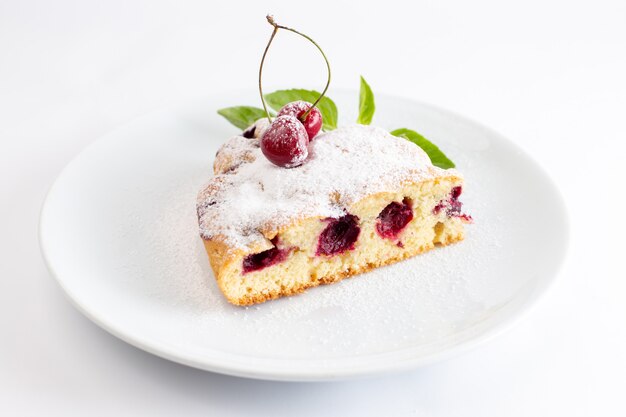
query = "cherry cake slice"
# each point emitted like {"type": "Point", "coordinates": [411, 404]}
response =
{"type": "Point", "coordinates": [363, 199]}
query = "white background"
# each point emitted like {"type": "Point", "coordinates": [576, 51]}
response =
{"type": "Point", "coordinates": [550, 75]}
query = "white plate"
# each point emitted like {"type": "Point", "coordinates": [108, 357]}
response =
{"type": "Point", "coordinates": [118, 231]}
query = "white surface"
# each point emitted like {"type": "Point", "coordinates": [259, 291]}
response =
{"type": "Point", "coordinates": [123, 243]}
{"type": "Point", "coordinates": [547, 74]}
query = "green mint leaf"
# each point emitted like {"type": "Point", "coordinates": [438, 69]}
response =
{"type": "Point", "coordinates": [327, 107]}
{"type": "Point", "coordinates": [242, 116]}
{"type": "Point", "coordinates": [366, 104]}
{"type": "Point", "coordinates": [438, 158]}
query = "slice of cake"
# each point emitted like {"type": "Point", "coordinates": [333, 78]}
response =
{"type": "Point", "coordinates": [363, 199]}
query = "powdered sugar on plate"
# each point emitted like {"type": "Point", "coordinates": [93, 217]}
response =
{"type": "Point", "coordinates": [344, 165]}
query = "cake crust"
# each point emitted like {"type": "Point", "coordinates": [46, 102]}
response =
{"type": "Point", "coordinates": [261, 297]}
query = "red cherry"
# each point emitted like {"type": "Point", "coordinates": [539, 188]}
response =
{"type": "Point", "coordinates": [339, 236]}
{"type": "Point", "coordinates": [285, 142]}
{"type": "Point", "coordinates": [393, 219]}
{"type": "Point", "coordinates": [313, 122]}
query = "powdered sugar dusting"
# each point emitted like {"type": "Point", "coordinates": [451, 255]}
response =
{"type": "Point", "coordinates": [344, 166]}
{"type": "Point", "coordinates": [295, 108]}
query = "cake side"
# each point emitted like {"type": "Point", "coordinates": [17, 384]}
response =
{"type": "Point", "coordinates": [304, 267]}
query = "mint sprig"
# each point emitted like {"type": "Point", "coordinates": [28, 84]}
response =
{"type": "Point", "coordinates": [437, 157]}
{"type": "Point", "coordinates": [326, 106]}
{"type": "Point", "coordinates": [242, 116]}
{"type": "Point", "coordinates": [366, 104]}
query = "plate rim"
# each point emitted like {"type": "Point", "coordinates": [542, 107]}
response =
{"type": "Point", "coordinates": [263, 371]}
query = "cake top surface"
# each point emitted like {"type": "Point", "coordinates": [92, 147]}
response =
{"type": "Point", "coordinates": [249, 195]}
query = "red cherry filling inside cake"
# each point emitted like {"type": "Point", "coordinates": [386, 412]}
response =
{"type": "Point", "coordinates": [452, 205]}
{"type": "Point", "coordinates": [338, 236]}
{"type": "Point", "coordinates": [394, 218]}
{"type": "Point", "coordinates": [258, 261]}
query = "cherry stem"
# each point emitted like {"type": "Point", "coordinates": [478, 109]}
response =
{"type": "Point", "coordinates": [271, 21]}
{"type": "Point", "coordinates": [261, 74]}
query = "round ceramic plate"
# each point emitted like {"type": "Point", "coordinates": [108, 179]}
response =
{"type": "Point", "coordinates": [118, 231]}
